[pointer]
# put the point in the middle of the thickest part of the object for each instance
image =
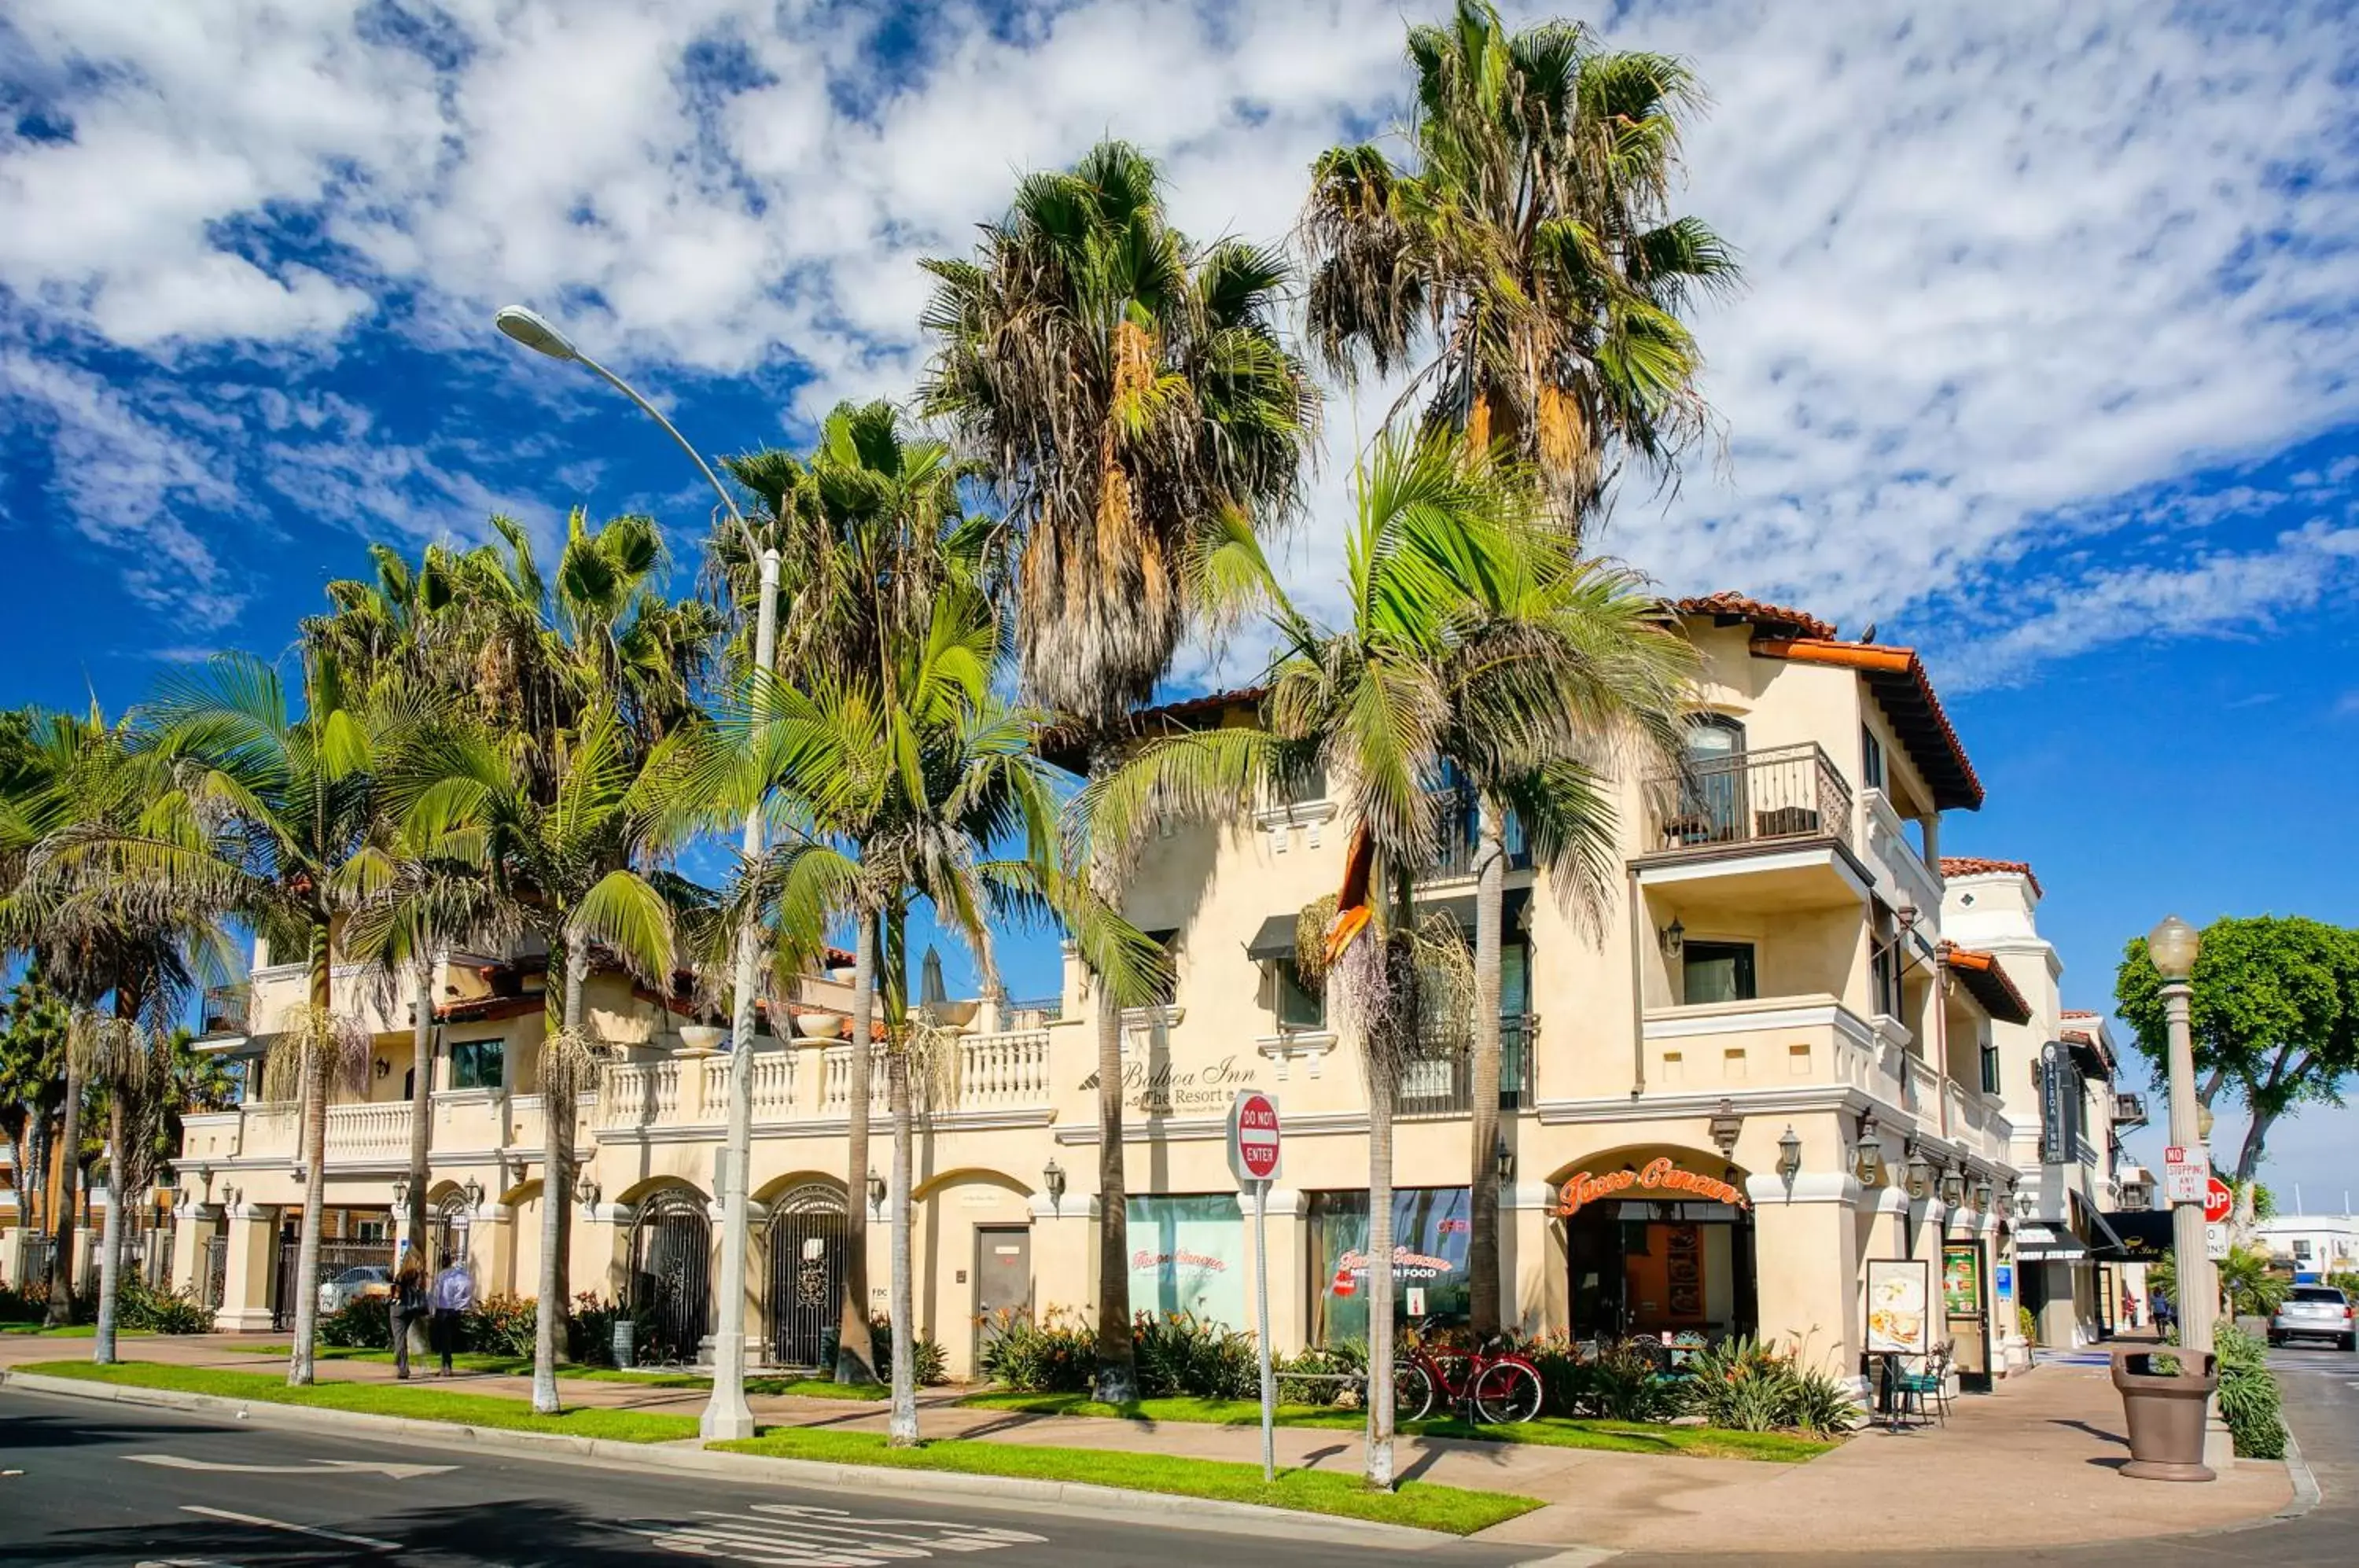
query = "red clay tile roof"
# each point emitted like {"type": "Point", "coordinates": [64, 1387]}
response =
{"type": "Point", "coordinates": [1063, 746]}
{"type": "Point", "coordinates": [1731, 607]}
{"type": "Point", "coordinates": [1897, 677]}
{"type": "Point", "coordinates": [1976, 865]}
{"type": "Point", "coordinates": [2082, 1013]}
{"type": "Point", "coordinates": [1987, 979]}
{"type": "Point", "coordinates": [2090, 1044]}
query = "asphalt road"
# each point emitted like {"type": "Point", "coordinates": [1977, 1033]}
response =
{"type": "Point", "coordinates": [116, 1485]}
{"type": "Point", "coordinates": [2321, 1396]}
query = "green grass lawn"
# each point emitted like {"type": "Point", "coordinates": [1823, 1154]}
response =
{"type": "Point", "coordinates": [379, 1399]}
{"type": "Point", "coordinates": [521, 1365]}
{"type": "Point", "coordinates": [1618, 1437]}
{"type": "Point", "coordinates": [1453, 1510]}
{"type": "Point", "coordinates": [74, 1331]}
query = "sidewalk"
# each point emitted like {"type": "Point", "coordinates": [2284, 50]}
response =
{"type": "Point", "coordinates": [2034, 1465]}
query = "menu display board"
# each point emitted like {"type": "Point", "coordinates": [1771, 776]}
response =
{"type": "Point", "coordinates": [1962, 1280]}
{"type": "Point", "coordinates": [1899, 1296]}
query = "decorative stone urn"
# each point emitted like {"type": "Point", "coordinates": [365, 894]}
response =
{"type": "Point", "coordinates": [821, 1026]}
{"type": "Point", "coordinates": [700, 1040]}
{"type": "Point", "coordinates": [2165, 1411]}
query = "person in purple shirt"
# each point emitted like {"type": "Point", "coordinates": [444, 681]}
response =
{"type": "Point", "coordinates": [454, 1293]}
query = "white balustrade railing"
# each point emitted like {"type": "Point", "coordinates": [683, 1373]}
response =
{"type": "Point", "coordinates": [773, 1085]}
{"type": "Point", "coordinates": [835, 1084]}
{"type": "Point", "coordinates": [377, 1130]}
{"type": "Point", "coordinates": [1003, 1070]}
{"type": "Point", "coordinates": [638, 1094]}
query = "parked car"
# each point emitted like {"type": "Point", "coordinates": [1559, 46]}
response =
{"type": "Point", "coordinates": [361, 1279]}
{"type": "Point", "coordinates": [2315, 1311]}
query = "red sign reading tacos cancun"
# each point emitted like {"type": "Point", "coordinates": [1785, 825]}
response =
{"type": "Point", "coordinates": [1657, 1175]}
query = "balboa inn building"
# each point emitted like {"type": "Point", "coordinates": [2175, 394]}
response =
{"type": "Point", "coordinates": [1758, 1071]}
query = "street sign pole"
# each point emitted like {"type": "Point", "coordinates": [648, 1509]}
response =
{"type": "Point", "coordinates": [1261, 1334]}
{"type": "Point", "coordinates": [1254, 1158]}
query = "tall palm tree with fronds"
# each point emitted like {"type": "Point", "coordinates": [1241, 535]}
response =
{"type": "Point", "coordinates": [278, 817]}
{"type": "Point", "coordinates": [1525, 264]}
{"type": "Point", "coordinates": [579, 869]}
{"type": "Point", "coordinates": [921, 785]}
{"type": "Point", "coordinates": [1129, 392]}
{"type": "Point", "coordinates": [1477, 640]}
{"type": "Point", "coordinates": [871, 530]}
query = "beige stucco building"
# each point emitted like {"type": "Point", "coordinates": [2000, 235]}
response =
{"type": "Point", "coordinates": [1770, 991]}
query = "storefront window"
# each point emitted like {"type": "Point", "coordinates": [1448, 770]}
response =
{"type": "Point", "coordinates": [1429, 1280]}
{"type": "Point", "coordinates": [1187, 1254]}
{"type": "Point", "coordinates": [476, 1063]}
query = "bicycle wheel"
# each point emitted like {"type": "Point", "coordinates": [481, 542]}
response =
{"type": "Point", "coordinates": [1506, 1393]}
{"type": "Point", "coordinates": [1412, 1391]}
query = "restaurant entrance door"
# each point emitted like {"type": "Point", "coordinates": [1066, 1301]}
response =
{"type": "Point", "coordinates": [1664, 1268]}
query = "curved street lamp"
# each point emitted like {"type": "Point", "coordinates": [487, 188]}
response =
{"type": "Point", "coordinates": [726, 1414]}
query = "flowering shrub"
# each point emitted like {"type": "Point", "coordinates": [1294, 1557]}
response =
{"type": "Point", "coordinates": [139, 1306]}
{"type": "Point", "coordinates": [362, 1323]}
{"type": "Point", "coordinates": [1747, 1386]}
{"type": "Point", "coordinates": [500, 1325]}
{"type": "Point", "coordinates": [1053, 1356]}
{"type": "Point", "coordinates": [1178, 1352]}
{"type": "Point", "coordinates": [933, 1367]}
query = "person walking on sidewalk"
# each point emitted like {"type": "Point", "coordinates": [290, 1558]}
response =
{"type": "Point", "coordinates": [409, 1304]}
{"type": "Point", "coordinates": [454, 1295]}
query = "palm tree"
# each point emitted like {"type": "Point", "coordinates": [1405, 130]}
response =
{"type": "Point", "coordinates": [870, 531]}
{"type": "Point", "coordinates": [277, 818]}
{"type": "Point", "coordinates": [129, 1061]}
{"type": "Point", "coordinates": [575, 868]}
{"type": "Point", "coordinates": [1478, 639]}
{"type": "Point", "coordinates": [32, 1091]}
{"type": "Point", "coordinates": [1526, 264]}
{"type": "Point", "coordinates": [1129, 395]}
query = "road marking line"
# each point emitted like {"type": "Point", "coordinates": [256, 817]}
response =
{"type": "Point", "coordinates": [316, 1467]}
{"type": "Point", "coordinates": [369, 1541]}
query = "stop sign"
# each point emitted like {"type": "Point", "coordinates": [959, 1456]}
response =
{"type": "Point", "coordinates": [1253, 1137]}
{"type": "Point", "coordinates": [2217, 1201]}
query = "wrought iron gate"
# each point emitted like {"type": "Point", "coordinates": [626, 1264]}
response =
{"type": "Point", "coordinates": [337, 1259]}
{"type": "Point", "coordinates": [214, 1278]}
{"type": "Point", "coordinates": [671, 1286]}
{"type": "Point", "coordinates": [806, 1243]}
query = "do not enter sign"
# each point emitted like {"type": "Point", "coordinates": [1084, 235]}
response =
{"type": "Point", "coordinates": [2217, 1201]}
{"type": "Point", "coordinates": [1253, 1137]}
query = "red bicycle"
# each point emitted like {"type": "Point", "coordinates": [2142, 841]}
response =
{"type": "Point", "coordinates": [1497, 1387]}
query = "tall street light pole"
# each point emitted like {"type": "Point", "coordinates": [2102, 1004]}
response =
{"type": "Point", "coordinates": [2172, 946]}
{"type": "Point", "coordinates": [726, 1414]}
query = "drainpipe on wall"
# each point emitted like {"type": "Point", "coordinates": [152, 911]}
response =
{"type": "Point", "coordinates": [1639, 922]}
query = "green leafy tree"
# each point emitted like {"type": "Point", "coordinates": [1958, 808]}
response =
{"type": "Point", "coordinates": [2274, 1016]}
{"type": "Point", "coordinates": [1525, 264]}
{"type": "Point", "coordinates": [1130, 397]}
{"type": "Point", "coordinates": [32, 1090]}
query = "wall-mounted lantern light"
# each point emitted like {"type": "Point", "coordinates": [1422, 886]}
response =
{"type": "Point", "coordinates": [1867, 1164]}
{"type": "Point", "coordinates": [1673, 937]}
{"type": "Point", "coordinates": [1789, 1154]}
{"type": "Point", "coordinates": [1052, 1178]}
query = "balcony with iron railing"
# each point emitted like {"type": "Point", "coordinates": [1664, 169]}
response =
{"type": "Point", "coordinates": [227, 1011]}
{"type": "Point", "coordinates": [1783, 794]}
{"type": "Point", "coordinates": [2129, 1110]}
{"type": "Point", "coordinates": [1442, 1085]}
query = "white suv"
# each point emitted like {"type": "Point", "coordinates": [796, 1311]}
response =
{"type": "Point", "coordinates": [2315, 1312]}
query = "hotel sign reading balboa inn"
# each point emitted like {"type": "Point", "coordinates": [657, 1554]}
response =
{"type": "Point", "coordinates": [1153, 1089]}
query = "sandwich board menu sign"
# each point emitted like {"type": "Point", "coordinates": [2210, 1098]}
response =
{"type": "Point", "coordinates": [1899, 1298]}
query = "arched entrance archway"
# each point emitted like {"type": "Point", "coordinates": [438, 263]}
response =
{"type": "Point", "coordinates": [670, 1291]}
{"type": "Point", "coordinates": [806, 1247]}
{"type": "Point", "coordinates": [1657, 1245]}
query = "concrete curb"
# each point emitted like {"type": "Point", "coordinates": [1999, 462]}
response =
{"type": "Point", "coordinates": [1018, 1493]}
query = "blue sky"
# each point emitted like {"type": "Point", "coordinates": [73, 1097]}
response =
{"type": "Point", "coordinates": [2044, 365]}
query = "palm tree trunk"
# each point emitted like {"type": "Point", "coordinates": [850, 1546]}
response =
{"type": "Point", "coordinates": [61, 1308]}
{"type": "Point", "coordinates": [321, 1047]}
{"type": "Point", "coordinates": [855, 1351]}
{"type": "Point", "coordinates": [1482, 1228]}
{"type": "Point", "coordinates": [110, 1255]}
{"type": "Point", "coordinates": [901, 1429]}
{"type": "Point", "coordinates": [421, 1104]}
{"type": "Point", "coordinates": [1117, 1381]}
{"type": "Point", "coordinates": [1380, 1277]}
{"type": "Point", "coordinates": [555, 1119]}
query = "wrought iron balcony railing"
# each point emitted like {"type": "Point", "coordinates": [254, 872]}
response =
{"type": "Point", "coordinates": [1443, 1085]}
{"type": "Point", "coordinates": [1755, 796]}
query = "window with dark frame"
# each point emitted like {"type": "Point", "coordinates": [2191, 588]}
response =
{"type": "Point", "coordinates": [1716, 971]}
{"type": "Point", "coordinates": [1990, 1068]}
{"type": "Point", "coordinates": [1871, 758]}
{"type": "Point", "coordinates": [1167, 994]}
{"type": "Point", "coordinates": [1299, 1005]}
{"type": "Point", "coordinates": [477, 1063]}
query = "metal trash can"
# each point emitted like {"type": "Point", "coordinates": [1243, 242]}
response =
{"type": "Point", "coordinates": [625, 1342]}
{"type": "Point", "coordinates": [2165, 1411]}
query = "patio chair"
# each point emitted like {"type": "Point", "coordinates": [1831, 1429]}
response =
{"type": "Point", "coordinates": [1911, 1390]}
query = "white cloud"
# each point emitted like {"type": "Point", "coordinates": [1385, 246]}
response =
{"type": "Point", "coordinates": [2009, 265]}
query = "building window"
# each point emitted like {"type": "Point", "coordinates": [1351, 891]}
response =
{"type": "Point", "coordinates": [1300, 1007]}
{"type": "Point", "coordinates": [1430, 1279]}
{"type": "Point", "coordinates": [1990, 1068]}
{"type": "Point", "coordinates": [477, 1063]}
{"type": "Point", "coordinates": [1871, 758]}
{"type": "Point", "coordinates": [1888, 964]}
{"type": "Point", "coordinates": [1717, 972]}
{"type": "Point", "coordinates": [1187, 1254]}
{"type": "Point", "coordinates": [1167, 993]}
